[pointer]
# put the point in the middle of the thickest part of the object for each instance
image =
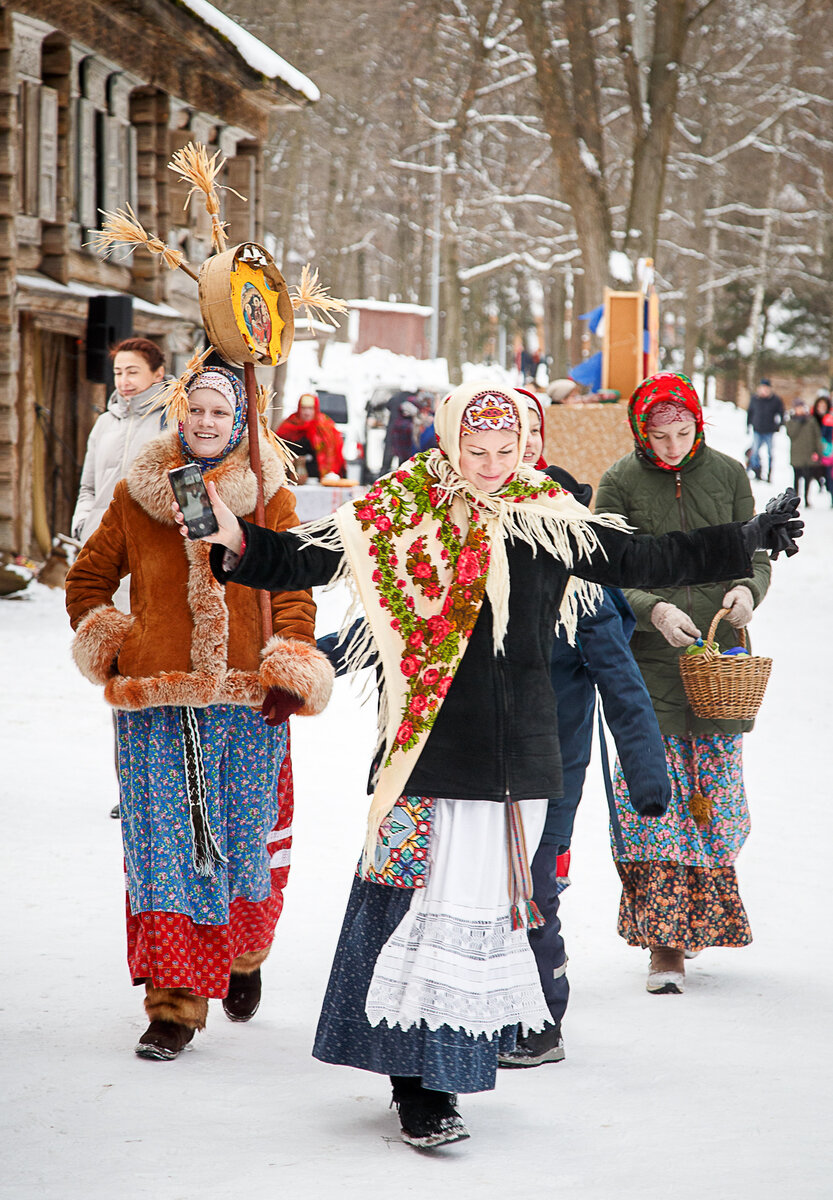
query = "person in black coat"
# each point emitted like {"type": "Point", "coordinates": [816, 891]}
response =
{"type": "Point", "coordinates": [764, 417]}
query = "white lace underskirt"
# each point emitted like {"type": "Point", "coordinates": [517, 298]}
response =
{"type": "Point", "coordinates": [454, 958]}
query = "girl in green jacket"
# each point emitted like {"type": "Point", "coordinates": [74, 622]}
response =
{"type": "Point", "coordinates": [679, 887]}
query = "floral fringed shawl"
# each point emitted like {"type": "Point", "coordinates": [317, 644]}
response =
{"type": "Point", "coordinates": [421, 550]}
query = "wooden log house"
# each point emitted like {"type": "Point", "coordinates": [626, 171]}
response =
{"type": "Point", "coordinates": [95, 96]}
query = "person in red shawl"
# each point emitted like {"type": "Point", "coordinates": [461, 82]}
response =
{"type": "Point", "coordinates": [315, 433]}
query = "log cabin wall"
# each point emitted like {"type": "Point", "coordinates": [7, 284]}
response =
{"type": "Point", "coordinates": [94, 99]}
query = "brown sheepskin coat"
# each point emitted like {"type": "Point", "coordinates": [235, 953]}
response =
{"type": "Point", "coordinates": [188, 640]}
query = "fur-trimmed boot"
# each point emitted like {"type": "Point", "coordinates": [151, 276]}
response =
{"type": "Point", "coordinates": [175, 1013]}
{"type": "Point", "coordinates": [244, 986]}
{"type": "Point", "coordinates": [666, 974]}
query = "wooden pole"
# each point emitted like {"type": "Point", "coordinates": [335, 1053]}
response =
{"type": "Point", "coordinates": [253, 422]}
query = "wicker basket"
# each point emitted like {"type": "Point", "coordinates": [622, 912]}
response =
{"type": "Point", "coordinates": [728, 688]}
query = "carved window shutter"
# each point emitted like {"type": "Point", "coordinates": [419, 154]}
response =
{"type": "Point", "coordinates": [114, 168]}
{"type": "Point", "coordinates": [48, 162]}
{"type": "Point", "coordinates": [239, 173]}
{"type": "Point", "coordinates": [30, 101]}
{"type": "Point", "coordinates": [87, 214]}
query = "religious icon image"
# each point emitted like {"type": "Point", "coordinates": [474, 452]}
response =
{"type": "Point", "coordinates": [257, 318]}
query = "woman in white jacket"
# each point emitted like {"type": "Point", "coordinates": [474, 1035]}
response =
{"type": "Point", "coordinates": [130, 422]}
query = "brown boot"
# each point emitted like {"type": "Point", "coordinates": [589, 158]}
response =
{"type": "Point", "coordinates": [666, 974]}
{"type": "Point", "coordinates": [175, 1013]}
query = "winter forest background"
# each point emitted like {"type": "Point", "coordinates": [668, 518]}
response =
{"type": "Point", "coordinates": [543, 135]}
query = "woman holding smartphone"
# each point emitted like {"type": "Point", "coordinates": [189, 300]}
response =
{"type": "Point", "coordinates": [206, 785]}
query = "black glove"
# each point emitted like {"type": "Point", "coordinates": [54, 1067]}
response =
{"type": "Point", "coordinates": [777, 527]}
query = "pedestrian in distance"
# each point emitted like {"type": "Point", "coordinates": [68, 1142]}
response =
{"type": "Point", "coordinates": [764, 417]}
{"type": "Point", "coordinates": [317, 439]}
{"type": "Point", "coordinates": [679, 884]}
{"type": "Point", "coordinates": [461, 559]}
{"type": "Point", "coordinates": [823, 416]}
{"type": "Point", "coordinates": [806, 448]}
{"type": "Point", "coordinates": [206, 784]}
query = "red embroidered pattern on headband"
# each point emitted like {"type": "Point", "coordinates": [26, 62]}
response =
{"type": "Point", "coordinates": [487, 411]}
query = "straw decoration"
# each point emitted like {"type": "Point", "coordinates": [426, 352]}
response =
{"type": "Point", "coordinates": [123, 228]}
{"type": "Point", "coordinates": [316, 299]}
{"type": "Point", "coordinates": [265, 396]}
{"type": "Point", "coordinates": [174, 397]}
{"type": "Point", "coordinates": [195, 167]}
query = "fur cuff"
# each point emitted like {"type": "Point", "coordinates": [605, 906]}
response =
{"type": "Point", "coordinates": [98, 640]}
{"type": "Point", "coordinates": [249, 961]}
{"type": "Point", "coordinates": [176, 1004]}
{"type": "Point", "coordinates": [299, 668]}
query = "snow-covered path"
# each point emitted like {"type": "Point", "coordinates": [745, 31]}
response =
{"type": "Point", "coordinates": [724, 1091]}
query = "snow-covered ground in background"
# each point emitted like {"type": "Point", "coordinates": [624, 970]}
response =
{"type": "Point", "coordinates": [723, 1092]}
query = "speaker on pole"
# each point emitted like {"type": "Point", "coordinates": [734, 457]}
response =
{"type": "Point", "coordinates": [109, 320]}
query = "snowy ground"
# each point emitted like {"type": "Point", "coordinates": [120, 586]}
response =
{"type": "Point", "coordinates": [724, 1091]}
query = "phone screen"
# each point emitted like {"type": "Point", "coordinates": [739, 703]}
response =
{"type": "Point", "coordinates": [189, 488]}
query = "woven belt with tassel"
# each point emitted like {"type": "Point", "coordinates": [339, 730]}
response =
{"type": "Point", "coordinates": [524, 910]}
{"type": "Point", "coordinates": [205, 853]}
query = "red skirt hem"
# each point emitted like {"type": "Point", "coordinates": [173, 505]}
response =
{"type": "Point", "coordinates": [168, 950]}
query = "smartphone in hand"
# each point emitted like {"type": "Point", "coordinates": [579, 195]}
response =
{"type": "Point", "coordinates": [191, 496]}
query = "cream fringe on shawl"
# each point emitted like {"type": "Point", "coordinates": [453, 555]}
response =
{"type": "Point", "coordinates": [544, 525]}
{"type": "Point", "coordinates": [554, 524]}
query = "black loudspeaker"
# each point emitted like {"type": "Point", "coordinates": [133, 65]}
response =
{"type": "Point", "coordinates": [109, 320]}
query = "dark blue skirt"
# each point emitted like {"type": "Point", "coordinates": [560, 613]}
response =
{"type": "Point", "coordinates": [447, 1060]}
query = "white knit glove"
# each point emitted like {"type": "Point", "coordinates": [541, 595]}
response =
{"type": "Point", "coordinates": [741, 605]}
{"type": "Point", "coordinates": [676, 626]}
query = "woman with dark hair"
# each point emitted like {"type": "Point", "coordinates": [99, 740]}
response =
{"type": "Point", "coordinates": [823, 415]}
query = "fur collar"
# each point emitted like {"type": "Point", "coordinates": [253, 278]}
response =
{"type": "Point", "coordinates": [147, 479]}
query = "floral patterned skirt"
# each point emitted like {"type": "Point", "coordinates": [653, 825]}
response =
{"type": "Point", "coordinates": [684, 907]}
{"type": "Point", "coordinates": [184, 930]}
{"type": "Point", "coordinates": [675, 837]}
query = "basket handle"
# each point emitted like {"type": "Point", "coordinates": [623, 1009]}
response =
{"type": "Point", "coordinates": [718, 617]}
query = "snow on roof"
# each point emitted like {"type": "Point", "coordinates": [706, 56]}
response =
{"type": "Point", "coordinates": [421, 310]}
{"type": "Point", "coordinates": [256, 53]}
{"type": "Point", "coordinates": [40, 283]}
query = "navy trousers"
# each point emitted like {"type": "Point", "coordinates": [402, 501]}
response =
{"type": "Point", "coordinates": [547, 943]}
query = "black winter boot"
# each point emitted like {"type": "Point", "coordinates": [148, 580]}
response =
{"type": "Point", "coordinates": [428, 1119]}
{"type": "Point", "coordinates": [164, 1040]}
{"type": "Point", "coordinates": [243, 999]}
{"type": "Point", "coordinates": [533, 1049]}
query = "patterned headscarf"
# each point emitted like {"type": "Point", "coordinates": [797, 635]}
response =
{"type": "Point", "coordinates": [218, 379]}
{"type": "Point", "coordinates": [673, 398]}
{"type": "Point", "coordinates": [489, 411]}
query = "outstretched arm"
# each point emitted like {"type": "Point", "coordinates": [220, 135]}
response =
{"type": "Point", "coordinates": [705, 555]}
{"type": "Point", "coordinates": [261, 558]}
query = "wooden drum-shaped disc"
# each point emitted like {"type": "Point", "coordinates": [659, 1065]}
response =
{"type": "Point", "coordinates": [245, 307]}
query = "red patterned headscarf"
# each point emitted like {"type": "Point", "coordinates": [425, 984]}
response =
{"type": "Point", "coordinates": [676, 394]}
{"type": "Point", "coordinates": [320, 432]}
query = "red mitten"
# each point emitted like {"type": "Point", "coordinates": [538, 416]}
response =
{"type": "Point", "coordinates": [279, 705]}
